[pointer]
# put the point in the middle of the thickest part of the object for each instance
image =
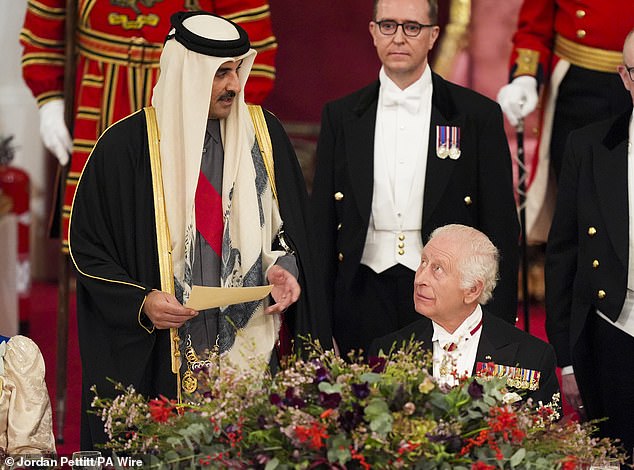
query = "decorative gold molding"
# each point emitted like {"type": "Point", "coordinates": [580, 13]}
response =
{"type": "Point", "coordinates": [455, 37]}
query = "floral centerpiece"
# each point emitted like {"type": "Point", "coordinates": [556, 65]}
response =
{"type": "Point", "coordinates": [328, 412]}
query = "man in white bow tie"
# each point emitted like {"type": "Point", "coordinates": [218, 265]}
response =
{"type": "Point", "coordinates": [396, 159]}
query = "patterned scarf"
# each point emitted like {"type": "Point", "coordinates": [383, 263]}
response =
{"type": "Point", "coordinates": [251, 218]}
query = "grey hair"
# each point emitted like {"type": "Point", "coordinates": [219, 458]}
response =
{"type": "Point", "coordinates": [478, 258]}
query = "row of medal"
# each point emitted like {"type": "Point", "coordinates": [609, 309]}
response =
{"type": "Point", "coordinates": [448, 142]}
{"type": "Point", "coordinates": [517, 377]}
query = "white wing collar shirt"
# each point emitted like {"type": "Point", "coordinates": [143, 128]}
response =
{"type": "Point", "coordinates": [400, 161]}
{"type": "Point", "coordinates": [456, 351]}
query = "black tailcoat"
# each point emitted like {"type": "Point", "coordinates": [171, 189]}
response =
{"type": "Point", "coordinates": [475, 190]}
{"type": "Point", "coordinates": [500, 343]}
{"type": "Point", "coordinates": [587, 270]}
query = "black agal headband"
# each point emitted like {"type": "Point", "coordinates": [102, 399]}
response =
{"type": "Point", "coordinates": [204, 44]}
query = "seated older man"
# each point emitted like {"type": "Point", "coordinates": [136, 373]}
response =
{"type": "Point", "coordinates": [456, 277]}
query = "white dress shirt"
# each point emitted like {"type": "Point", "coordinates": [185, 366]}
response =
{"type": "Point", "coordinates": [400, 162]}
{"type": "Point", "coordinates": [460, 359]}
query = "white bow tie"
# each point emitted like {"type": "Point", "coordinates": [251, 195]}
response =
{"type": "Point", "coordinates": [408, 101]}
{"type": "Point", "coordinates": [444, 339]}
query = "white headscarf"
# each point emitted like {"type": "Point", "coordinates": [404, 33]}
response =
{"type": "Point", "coordinates": [182, 99]}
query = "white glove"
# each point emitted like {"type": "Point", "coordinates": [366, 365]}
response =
{"type": "Point", "coordinates": [519, 98]}
{"type": "Point", "coordinates": [54, 132]}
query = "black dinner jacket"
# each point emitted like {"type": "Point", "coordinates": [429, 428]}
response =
{"type": "Point", "coordinates": [587, 253]}
{"type": "Point", "coordinates": [500, 343]}
{"type": "Point", "coordinates": [475, 190]}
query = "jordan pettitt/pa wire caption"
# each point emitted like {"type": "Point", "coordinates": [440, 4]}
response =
{"type": "Point", "coordinates": [64, 461]}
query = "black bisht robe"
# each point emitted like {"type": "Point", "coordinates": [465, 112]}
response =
{"type": "Point", "coordinates": [113, 247]}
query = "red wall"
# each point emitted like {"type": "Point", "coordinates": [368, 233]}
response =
{"type": "Point", "coordinates": [325, 51]}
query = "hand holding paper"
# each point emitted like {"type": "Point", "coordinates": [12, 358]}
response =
{"type": "Point", "coordinates": [165, 311]}
{"type": "Point", "coordinates": [202, 298]}
{"type": "Point", "coordinates": [284, 289]}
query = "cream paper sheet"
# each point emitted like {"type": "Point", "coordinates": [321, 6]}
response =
{"type": "Point", "coordinates": [202, 298]}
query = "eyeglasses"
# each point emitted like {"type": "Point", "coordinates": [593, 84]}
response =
{"type": "Point", "coordinates": [410, 28]}
{"type": "Point", "coordinates": [629, 71]}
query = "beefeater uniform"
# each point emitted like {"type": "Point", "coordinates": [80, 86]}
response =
{"type": "Point", "coordinates": [573, 48]}
{"type": "Point", "coordinates": [119, 43]}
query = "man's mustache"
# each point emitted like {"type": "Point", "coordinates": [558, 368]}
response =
{"type": "Point", "coordinates": [227, 95]}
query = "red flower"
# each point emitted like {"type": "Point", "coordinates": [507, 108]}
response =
{"type": "Point", "coordinates": [360, 458]}
{"type": "Point", "coordinates": [162, 409]}
{"type": "Point", "coordinates": [517, 435]}
{"type": "Point", "coordinates": [408, 447]}
{"type": "Point", "coordinates": [480, 439]}
{"type": "Point", "coordinates": [504, 420]}
{"type": "Point", "coordinates": [326, 413]}
{"type": "Point", "coordinates": [569, 463]}
{"type": "Point", "coordinates": [481, 466]}
{"type": "Point", "coordinates": [313, 435]}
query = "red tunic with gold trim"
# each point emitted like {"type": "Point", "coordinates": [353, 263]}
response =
{"type": "Point", "coordinates": [589, 35]}
{"type": "Point", "coordinates": [598, 26]}
{"type": "Point", "coordinates": [119, 44]}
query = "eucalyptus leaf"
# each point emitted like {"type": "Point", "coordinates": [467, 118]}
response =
{"type": "Point", "coordinates": [338, 450]}
{"type": "Point", "coordinates": [371, 377]}
{"type": "Point", "coordinates": [517, 457]}
{"type": "Point", "coordinates": [327, 387]}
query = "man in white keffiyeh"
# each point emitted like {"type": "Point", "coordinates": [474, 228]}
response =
{"type": "Point", "coordinates": [190, 79]}
{"type": "Point", "coordinates": [179, 195]}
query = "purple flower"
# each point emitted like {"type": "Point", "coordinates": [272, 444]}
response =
{"type": "Point", "coordinates": [291, 399]}
{"type": "Point", "coordinates": [231, 428]}
{"type": "Point", "coordinates": [454, 444]}
{"type": "Point", "coordinates": [261, 422]}
{"type": "Point", "coordinates": [321, 375]}
{"type": "Point", "coordinates": [398, 399]}
{"type": "Point", "coordinates": [361, 391]}
{"type": "Point", "coordinates": [475, 390]}
{"type": "Point", "coordinates": [350, 419]}
{"type": "Point", "coordinates": [377, 364]}
{"type": "Point", "coordinates": [329, 400]}
{"type": "Point", "coordinates": [297, 402]}
{"type": "Point", "coordinates": [275, 399]}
